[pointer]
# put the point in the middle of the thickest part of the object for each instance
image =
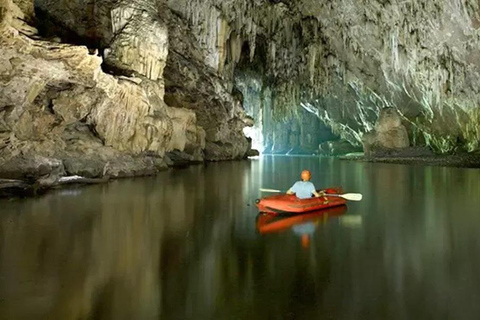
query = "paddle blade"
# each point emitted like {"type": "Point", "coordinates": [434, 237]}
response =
{"type": "Point", "coordinates": [352, 196]}
{"type": "Point", "coordinates": [269, 190]}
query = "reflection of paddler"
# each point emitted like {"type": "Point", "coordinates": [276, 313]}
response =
{"type": "Point", "coordinates": [300, 224]}
{"type": "Point", "coordinates": [305, 230]}
{"type": "Point", "coordinates": [305, 240]}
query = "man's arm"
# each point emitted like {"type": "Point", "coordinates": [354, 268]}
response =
{"type": "Point", "coordinates": [318, 194]}
{"type": "Point", "coordinates": [292, 190]}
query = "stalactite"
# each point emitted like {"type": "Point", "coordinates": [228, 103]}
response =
{"type": "Point", "coordinates": [402, 52]}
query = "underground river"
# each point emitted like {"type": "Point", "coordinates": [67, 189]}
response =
{"type": "Point", "coordinates": [185, 245]}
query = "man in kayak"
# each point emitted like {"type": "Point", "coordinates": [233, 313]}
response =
{"type": "Point", "coordinates": [304, 189]}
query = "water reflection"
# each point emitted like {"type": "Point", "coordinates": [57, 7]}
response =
{"type": "Point", "coordinates": [302, 225]}
{"type": "Point", "coordinates": [83, 254]}
{"type": "Point", "coordinates": [189, 244]}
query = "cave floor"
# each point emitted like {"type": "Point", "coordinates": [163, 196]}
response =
{"type": "Point", "coordinates": [463, 160]}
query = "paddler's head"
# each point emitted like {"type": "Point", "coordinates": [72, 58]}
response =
{"type": "Point", "coordinates": [306, 175]}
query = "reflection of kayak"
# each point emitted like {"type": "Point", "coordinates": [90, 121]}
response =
{"type": "Point", "coordinates": [270, 222]}
{"type": "Point", "coordinates": [290, 203]}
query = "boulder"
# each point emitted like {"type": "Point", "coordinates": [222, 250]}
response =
{"type": "Point", "coordinates": [128, 166]}
{"type": "Point", "coordinates": [389, 134]}
{"type": "Point", "coordinates": [91, 167]}
{"type": "Point", "coordinates": [32, 168]}
{"type": "Point", "coordinates": [186, 136]}
{"type": "Point", "coordinates": [253, 153]}
{"type": "Point", "coordinates": [337, 147]}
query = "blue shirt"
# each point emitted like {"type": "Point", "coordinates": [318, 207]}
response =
{"type": "Point", "coordinates": [303, 189]}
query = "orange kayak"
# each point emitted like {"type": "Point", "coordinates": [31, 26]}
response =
{"type": "Point", "coordinates": [272, 222]}
{"type": "Point", "coordinates": [284, 203]}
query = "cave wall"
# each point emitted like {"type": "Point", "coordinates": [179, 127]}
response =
{"type": "Point", "coordinates": [116, 86]}
{"type": "Point", "coordinates": [347, 60]}
{"type": "Point", "coordinates": [191, 84]}
{"type": "Point", "coordinates": [89, 96]}
{"type": "Point", "coordinates": [58, 109]}
{"type": "Point", "coordinates": [298, 133]}
{"type": "Point", "coordinates": [125, 31]}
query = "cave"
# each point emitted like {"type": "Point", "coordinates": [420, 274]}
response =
{"type": "Point", "coordinates": [239, 159]}
{"type": "Point", "coordinates": [155, 83]}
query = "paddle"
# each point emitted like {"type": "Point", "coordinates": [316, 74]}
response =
{"type": "Point", "coordinates": [347, 196]}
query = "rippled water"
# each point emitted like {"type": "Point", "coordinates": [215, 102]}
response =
{"type": "Point", "coordinates": [189, 244]}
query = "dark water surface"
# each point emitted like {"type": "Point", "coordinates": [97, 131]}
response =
{"type": "Point", "coordinates": [185, 245]}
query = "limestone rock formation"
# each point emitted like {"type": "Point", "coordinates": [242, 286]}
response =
{"type": "Point", "coordinates": [58, 104]}
{"type": "Point", "coordinates": [297, 133]}
{"type": "Point", "coordinates": [190, 84]}
{"type": "Point", "coordinates": [389, 134]}
{"type": "Point", "coordinates": [347, 60]}
{"type": "Point", "coordinates": [337, 148]}
{"type": "Point", "coordinates": [125, 82]}
{"type": "Point", "coordinates": [134, 40]}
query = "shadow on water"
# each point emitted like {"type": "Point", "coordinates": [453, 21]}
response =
{"type": "Point", "coordinates": [190, 244]}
